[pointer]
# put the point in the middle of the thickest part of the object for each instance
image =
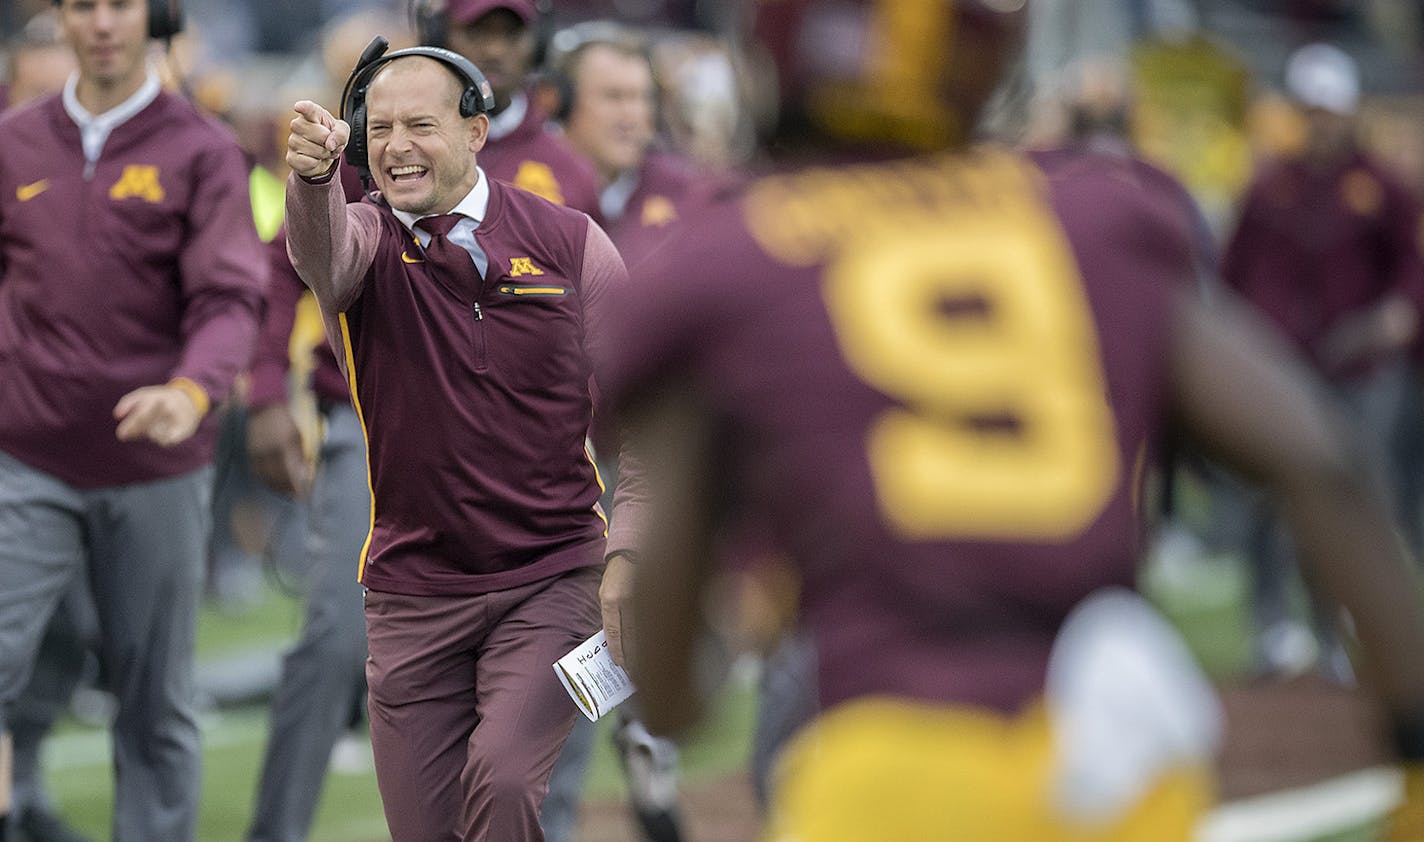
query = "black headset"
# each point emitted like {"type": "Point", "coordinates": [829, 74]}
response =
{"type": "Point", "coordinates": [165, 18]}
{"type": "Point", "coordinates": [428, 17]}
{"type": "Point", "coordinates": [477, 97]}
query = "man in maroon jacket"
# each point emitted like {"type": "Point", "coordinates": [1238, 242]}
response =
{"type": "Point", "coordinates": [501, 38]}
{"type": "Point", "coordinates": [610, 117]}
{"type": "Point", "coordinates": [1328, 247]}
{"type": "Point", "coordinates": [466, 313]}
{"type": "Point", "coordinates": [132, 281]}
{"type": "Point", "coordinates": [930, 378]}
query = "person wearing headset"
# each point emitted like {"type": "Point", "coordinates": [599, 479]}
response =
{"type": "Point", "coordinates": [502, 38]}
{"type": "Point", "coordinates": [608, 110]}
{"type": "Point", "coordinates": [131, 289]}
{"type": "Point", "coordinates": [466, 313]}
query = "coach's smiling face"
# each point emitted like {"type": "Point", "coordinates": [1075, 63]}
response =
{"type": "Point", "coordinates": [422, 152]}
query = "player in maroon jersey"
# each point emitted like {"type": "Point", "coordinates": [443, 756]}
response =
{"type": "Point", "coordinates": [934, 379]}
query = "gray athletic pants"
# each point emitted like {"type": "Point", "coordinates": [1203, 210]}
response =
{"type": "Point", "coordinates": [323, 675]}
{"type": "Point", "coordinates": [141, 547]}
{"type": "Point", "coordinates": [56, 671]}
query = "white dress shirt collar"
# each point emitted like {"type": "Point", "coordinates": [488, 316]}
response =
{"type": "Point", "coordinates": [613, 201]}
{"type": "Point", "coordinates": [473, 206]}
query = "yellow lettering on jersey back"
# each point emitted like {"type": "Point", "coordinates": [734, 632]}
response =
{"type": "Point", "coordinates": [966, 308]}
{"type": "Point", "coordinates": [538, 179]}
{"type": "Point", "coordinates": [138, 181]}
{"type": "Point", "coordinates": [798, 219]}
{"type": "Point", "coordinates": [658, 211]}
{"type": "Point", "coordinates": [519, 266]}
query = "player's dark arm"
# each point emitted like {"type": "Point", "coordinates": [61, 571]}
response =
{"type": "Point", "coordinates": [676, 437]}
{"type": "Point", "coordinates": [1237, 391]}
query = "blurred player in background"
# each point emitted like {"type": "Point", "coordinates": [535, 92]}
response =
{"type": "Point", "coordinates": [899, 370]}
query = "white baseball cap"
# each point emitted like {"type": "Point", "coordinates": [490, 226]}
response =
{"type": "Point", "coordinates": [1323, 76]}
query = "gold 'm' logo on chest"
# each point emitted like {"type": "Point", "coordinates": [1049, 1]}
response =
{"type": "Point", "coordinates": [519, 266]}
{"type": "Point", "coordinates": [138, 181]}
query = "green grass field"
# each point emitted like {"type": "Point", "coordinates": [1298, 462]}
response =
{"type": "Point", "coordinates": [1203, 599]}
{"type": "Point", "coordinates": [77, 758]}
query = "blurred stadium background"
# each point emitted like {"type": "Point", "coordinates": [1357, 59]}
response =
{"type": "Point", "coordinates": [1205, 76]}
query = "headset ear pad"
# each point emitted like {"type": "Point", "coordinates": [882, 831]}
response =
{"type": "Point", "coordinates": [564, 88]}
{"type": "Point", "coordinates": [356, 118]}
{"type": "Point", "coordinates": [165, 18]}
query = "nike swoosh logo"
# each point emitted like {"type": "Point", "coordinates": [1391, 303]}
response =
{"type": "Point", "coordinates": [26, 192]}
{"type": "Point", "coordinates": [408, 259]}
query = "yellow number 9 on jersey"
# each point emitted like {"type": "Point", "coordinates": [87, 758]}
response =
{"type": "Point", "coordinates": [979, 328]}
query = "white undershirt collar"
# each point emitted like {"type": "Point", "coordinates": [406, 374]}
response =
{"type": "Point", "coordinates": [94, 129]}
{"type": "Point", "coordinates": [613, 200]}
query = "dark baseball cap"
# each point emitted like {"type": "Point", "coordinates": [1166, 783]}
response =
{"type": "Point", "coordinates": [461, 12]}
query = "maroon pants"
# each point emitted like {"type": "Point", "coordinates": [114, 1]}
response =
{"type": "Point", "coordinates": [467, 716]}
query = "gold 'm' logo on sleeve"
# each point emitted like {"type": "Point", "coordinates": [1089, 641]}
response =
{"type": "Point", "coordinates": [523, 266]}
{"type": "Point", "coordinates": [138, 181]}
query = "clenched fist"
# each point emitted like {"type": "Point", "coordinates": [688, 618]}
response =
{"type": "Point", "coordinates": [316, 141]}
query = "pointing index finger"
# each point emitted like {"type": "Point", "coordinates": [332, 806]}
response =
{"type": "Point", "coordinates": [313, 112]}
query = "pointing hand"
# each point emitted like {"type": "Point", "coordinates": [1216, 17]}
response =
{"type": "Point", "coordinates": [316, 141]}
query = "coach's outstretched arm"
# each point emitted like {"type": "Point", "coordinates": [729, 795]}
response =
{"type": "Point", "coordinates": [1241, 394]}
{"type": "Point", "coordinates": [331, 243]}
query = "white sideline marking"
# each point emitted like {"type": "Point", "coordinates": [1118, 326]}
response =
{"type": "Point", "coordinates": [1307, 812]}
